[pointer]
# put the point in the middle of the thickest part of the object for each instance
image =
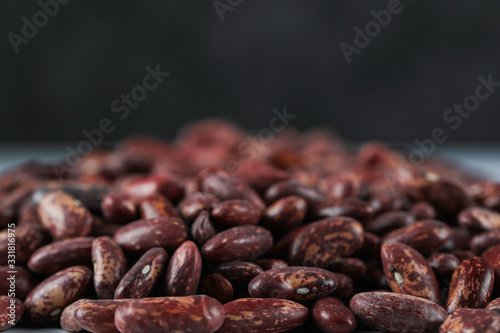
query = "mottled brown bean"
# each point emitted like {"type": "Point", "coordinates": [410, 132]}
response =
{"type": "Point", "coordinates": [447, 196]}
{"type": "Point", "coordinates": [285, 214]}
{"type": "Point", "coordinates": [53, 257]}
{"type": "Point", "coordinates": [494, 305]}
{"type": "Point", "coordinates": [471, 285]}
{"type": "Point", "coordinates": [118, 208]}
{"type": "Point", "coordinates": [140, 280]}
{"type": "Point", "coordinates": [323, 241]}
{"type": "Point", "coordinates": [389, 221]}
{"type": "Point", "coordinates": [28, 238]}
{"type": "Point", "coordinates": [443, 264]}
{"type": "Point", "coordinates": [98, 316]}
{"type": "Point", "coordinates": [110, 265]}
{"type": "Point", "coordinates": [492, 256]}
{"type": "Point", "coordinates": [351, 207]}
{"type": "Point", "coordinates": [157, 206]}
{"type": "Point", "coordinates": [246, 242]}
{"type": "Point", "coordinates": [423, 211]}
{"type": "Point", "coordinates": [353, 267]}
{"type": "Point", "coordinates": [257, 315]}
{"type": "Point", "coordinates": [408, 272]}
{"type": "Point", "coordinates": [238, 272]}
{"type": "Point", "coordinates": [294, 283]}
{"type": "Point", "coordinates": [269, 263]}
{"type": "Point", "coordinates": [345, 286]}
{"type": "Point", "coordinates": [216, 286]}
{"type": "Point", "coordinates": [424, 236]}
{"type": "Point", "coordinates": [282, 245]}
{"type": "Point", "coordinates": [192, 205]}
{"type": "Point", "coordinates": [397, 313]}
{"type": "Point", "coordinates": [11, 311]}
{"type": "Point", "coordinates": [471, 321]}
{"type": "Point", "coordinates": [231, 213]}
{"type": "Point", "coordinates": [184, 271]}
{"type": "Point", "coordinates": [67, 321]}
{"type": "Point", "coordinates": [190, 314]}
{"type": "Point", "coordinates": [292, 187]}
{"type": "Point", "coordinates": [225, 187]}
{"type": "Point", "coordinates": [330, 315]}
{"type": "Point", "coordinates": [481, 242]}
{"type": "Point", "coordinates": [477, 219]}
{"type": "Point", "coordinates": [23, 281]}
{"type": "Point", "coordinates": [48, 299]}
{"type": "Point", "coordinates": [202, 228]}
{"type": "Point", "coordinates": [142, 235]}
{"type": "Point", "coordinates": [168, 186]}
{"type": "Point", "coordinates": [64, 216]}
{"type": "Point", "coordinates": [459, 239]}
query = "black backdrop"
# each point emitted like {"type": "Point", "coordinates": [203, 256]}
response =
{"type": "Point", "coordinates": [264, 54]}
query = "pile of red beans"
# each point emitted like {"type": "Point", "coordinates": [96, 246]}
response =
{"type": "Point", "coordinates": [220, 232]}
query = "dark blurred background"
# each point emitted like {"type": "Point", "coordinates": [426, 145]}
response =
{"type": "Point", "coordinates": [264, 54]}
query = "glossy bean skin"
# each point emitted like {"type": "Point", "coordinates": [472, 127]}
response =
{"type": "Point", "coordinates": [140, 280]}
{"type": "Point", "coordinates": [110, 265]}
{"type": "Point", "coordinates": [408, 272]}
{"type": "Point", "coordinates": [28, 238]}
{"type": "Point", "coordinates": [459, 239]}
{"type": "Point", "coordinates": [478, 219]}
{"type": "Point", "coordinates": [292, 187]}
{"type": "Point", "coordinates": [492, 256]}
{"type": "Point", "coordinates": [56, 256]}
{"type": "Point", "coordinates": [423, 211]}
{"type": "Point", "coordinates": [391, 312]}
{"type": "Point", "coordinates": [142, 235]}
{"type": "Point", "coordinates": [48, 299]}
{"type": "Point", "coordinates": [246, 242]}
{"type": "Point", "coordinates": [67, 321]}
{"type": "Point", "coordinates": [443, 264]}
{"type": "Point", "coordinates": [217, 286]}
{"type": "Point", "coordinates": [471, 321]}
{"type": "Point", "coordinates": [471, 285]}
{"type": "Point", "coordinates": [238, 272]}
{"type": "Point", "coordinates": [494, 305]}
{"type": "Point", "coordinates": [339, 186]}
{"type": "Point", "coordinates": [447, 196]}
{"type": "Point", "coordinates": [284, 214]}
{"type": "Point", "coordinates": [353, 267]}
{"type": "Point", "coordinates": [269, 263]}
{"type": "Point", "coordinates": [24, 281]}
{"type": "Point", "coordinates": [202, 228]}
{"type": "Point", "coordinates": [192, 205]}
{"type": "Point", "coordinates": [256, 315]}
{"type": "Point", "coordinates": [184, 271]}
{"type": "Point", "coordinates": [197, 314]}
{"type": "Point", "coordinates": [390, 221]}
{"type": "Point", "coordinates": [351, 207]}
{"type": "Point", "coordinates": [64, 216]}
{"type": "Point", "coordinates": [168, 186]}
{"type": "Point", "coordinates": [293, 283]}
{"type": "Point", "coordinates": [282, 245]}
{"type": "Point", "coordinates": [424, 236]}
{"type": "Point", "coordinates": [11, 311]}
{"type": "Point", "coordinates": [98, 315]}
{"type": "Point", "coordinates": [323, 241]}
{"type": "Point", "coordinates": [157, 206]}
{"type": "Point", "coordinates": [480, 242]}
{"type": "Point", "coordinates": [225, 187]}
{"type": "Point", "coordinates": [231, 213]}
{"type": "Point", "coordinates": [345, 286]}
{"type": "Point", "coordinates": [330, 315]}
{"type": "Point", "coordinates": [118, 208]}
